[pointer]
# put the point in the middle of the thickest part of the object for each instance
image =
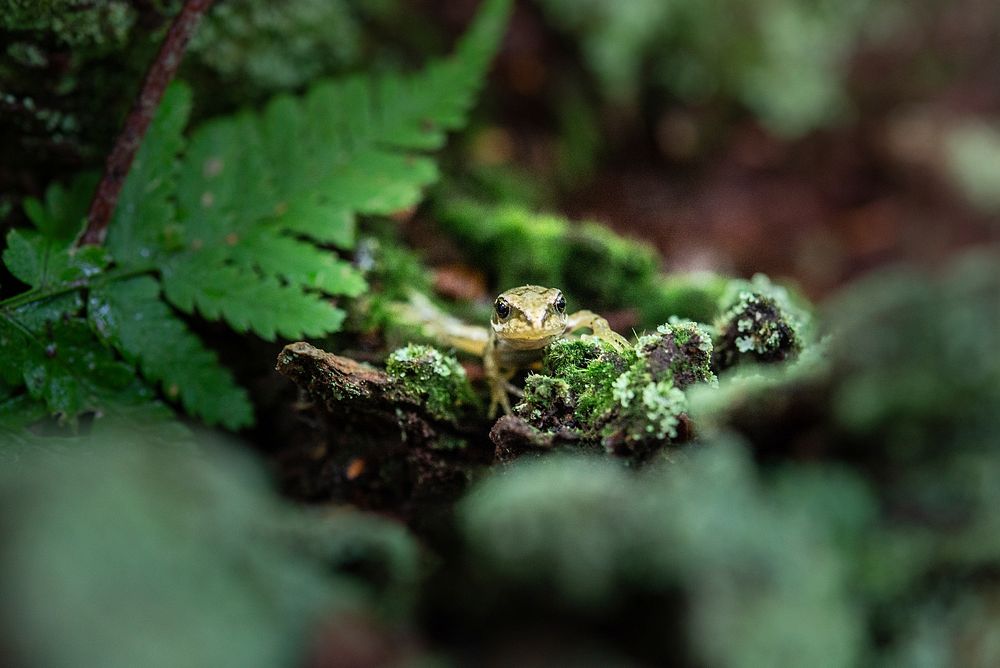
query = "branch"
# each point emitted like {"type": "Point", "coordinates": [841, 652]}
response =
{"type": "Point", "coordinates": [160, 73]}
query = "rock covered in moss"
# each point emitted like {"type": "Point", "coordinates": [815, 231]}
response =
{"type": "Point", "coordinates": [437, 379]}
{"type": "Point", "coordinates": [575, 390]}
{"type": "Point", "coordinates": [758, 322]}
{"type": "Point", "coordinates": [587, 366]}
{"type": "Point", "coordinates": [564, 405]}
{"type": "Point", "coordinates": [650, 404]}
{"type": "Point", "coordinates": [629, 403]}
{"type": "Point", "coordinates": [680, 351]}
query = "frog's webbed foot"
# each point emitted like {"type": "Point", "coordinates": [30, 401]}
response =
{"type": "Point", "coordinates": [600, 328]}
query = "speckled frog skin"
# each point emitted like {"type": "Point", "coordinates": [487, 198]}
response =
{"type": "Point", "coordinates": [525, 320]}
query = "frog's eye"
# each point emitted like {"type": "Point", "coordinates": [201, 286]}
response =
{"type": "Point", "coordinates": [502, 307]}
{"type": "Point", "coordinates": [560, 303]}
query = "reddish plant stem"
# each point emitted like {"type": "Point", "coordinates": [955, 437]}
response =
{"type": "Point", "coordinates": [160, 73]}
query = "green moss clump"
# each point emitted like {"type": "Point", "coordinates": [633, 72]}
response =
{"type": "Point", "coordinates": [605, 267]}
{"type": "Point", "coordinates": [650, 404]}
{"type": "Point", "coordinates": [600, 269]}
{"type": "Point", "coordinates": [433, 377]}
{"type": "Point", "coordinates": [548, 403]}
{"type": "Point", "coordinates": [629, 404]}
{"type": "Point", "coordinates": [589, 366]}
{"type": "Point", "coordinates": [594, 265]}
{"type": "Point", "coordinates": [576, 391]}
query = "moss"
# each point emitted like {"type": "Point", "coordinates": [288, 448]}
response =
{"type": "Point", "coordinates": [588, 367]}
{"type": "Point", "coordinates": [435, 378]}
{"type": "Point", "coordinates": [628, 404]}
{"type": "Point", "coordinates": [600, 269]}
{"type": "Point", "coordinates": [548, 402]}
{"type": "Point", "coordinates": [594, 265]}
{"type": "Point", "coordinates": [646, 408]}
{"type": "Point", "coordinates": [607, 268]}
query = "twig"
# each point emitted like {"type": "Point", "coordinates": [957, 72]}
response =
{"type": "Point", "coordinates": [160, 73]}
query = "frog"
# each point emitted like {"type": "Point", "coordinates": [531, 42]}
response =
{"type": "Point", "coordinates": [524, 321]}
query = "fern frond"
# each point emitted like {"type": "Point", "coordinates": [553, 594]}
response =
{"type": "Point", "coordinates": [130, 316]}
{"type": "Point", "coordinates": [63, 367]}
{"type": "Point", "coordinates": [145, 207]}
{"type": "Point", "coordinates": [237, 223]}
{"type": "Point", "coordinates": [245, 300]}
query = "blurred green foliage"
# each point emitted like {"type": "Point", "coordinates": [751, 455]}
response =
{"type": "Point", "coordinates": [600, 269]}
{"type": "Point", "coordinates": [762, 578]}
{"type": "Point", "coordinates": [278, 47]}
{"type": "Point", "coordinates": [72, 22]}
{"type": "Point", "coordinates": [784, 60]}
{"type": "Point", "coordinates": [119, 554]}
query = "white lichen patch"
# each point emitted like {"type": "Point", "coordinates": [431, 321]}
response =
{"type": "Point", "coordinates": [664, 405]}
{"type": "Point", "coordinates": [433, 360]}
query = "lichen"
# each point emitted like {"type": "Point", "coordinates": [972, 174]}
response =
{"type": "Point", "coordinates": [647, 414]}
{"type": "Point", "coordinates": [433, 377]}
{"type": "Point", "coordinates": [759, 322]}
{"type": "Point", "coordinates": [680, 351]}
{"type": "Point", "coordinates": [627, 404]}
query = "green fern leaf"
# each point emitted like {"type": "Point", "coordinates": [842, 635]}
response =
{"type": "Point", "coordinates": [437, 101]}
{"type": "Point", "coordinates": [321, 221]}
{"type": "Point", "coordinates": [60, 217]}
{"type": "Point", "coordinates": [296, 261]}
{"type": "Point", "coordinates": [130, 315]}
{"type": "Point", "coordinates": [66, 369]}
{"type": "Point", "coordinates": [145, 207]}
{"type": "Point", "coordinates": [248, 302]}
{"type": "Point", "coordinates": [43, 262]}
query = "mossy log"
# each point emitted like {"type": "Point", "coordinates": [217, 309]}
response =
{"type": "Point", "coordinates": [378, 440]}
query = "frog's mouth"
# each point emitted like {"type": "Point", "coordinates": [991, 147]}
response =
{"type": "Point", "coordinates": [530, 341]}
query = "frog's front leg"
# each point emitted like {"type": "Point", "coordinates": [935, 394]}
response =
{"type": "Point", "coordinates": [498, 380]}
{"type": "Point", "coordinates": [598, 325]}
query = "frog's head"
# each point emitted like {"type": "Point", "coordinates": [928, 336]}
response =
{"type": "Point", "coordinates": [529, 317]}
